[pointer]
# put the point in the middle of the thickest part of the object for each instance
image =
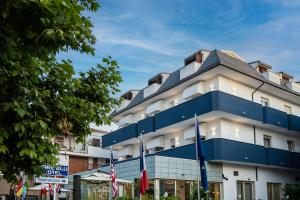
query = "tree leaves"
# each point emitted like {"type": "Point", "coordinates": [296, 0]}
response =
{"type": "Point", "coordinates": [42, 97]}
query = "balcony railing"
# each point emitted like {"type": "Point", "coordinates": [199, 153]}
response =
{"type": "Point", "coordinates": [209, 102]}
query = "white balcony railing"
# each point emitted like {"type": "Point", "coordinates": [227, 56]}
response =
{"type": "Point", "coordinates": [154, 107]}
{"type": "Point", "coordinates": [189, 69]}
{"type": "Point", "coordinates": [155, 142]}
{"type": "Point", "coordinates": [151, 89]}
{"type": "Point", "coordinates": [193, 91]}
{"type": "Point", "coordinates": [294, 86]}
{"type": "Point", "coordinates": [272, 77]}
{"type": "Point", "coordinates": [128, 119]}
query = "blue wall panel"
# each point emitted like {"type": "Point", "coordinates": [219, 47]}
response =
{"type": "Point", "coordinates": [119, 135]}
{"type": "Point", "coordinates": [146, 125]}
{"type": "Point", "coordinates": [275, 117]}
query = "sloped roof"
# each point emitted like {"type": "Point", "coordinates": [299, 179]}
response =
{"type": "Point", "coordinates": [215, 58]}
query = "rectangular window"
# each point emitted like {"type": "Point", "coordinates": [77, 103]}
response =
{"type": "Point", "coordinates": [172, 142]}
{"type": "Point", "coordinates": [264, 101]}
{"type": "Point", "coordinates": [96, 142]}
{"type": "Point", "coordinates": [274, 191]}
{"type": "Point", "coordinates": [288, 109]}
{"type": "Point", "coordinates": [245, 190]}
{"type": "Point", "coordinates": [291, 145]}
{"type": "Point", "coordinates": [60, 141]}
{"type": "Point", "coordinates": [267, 141]}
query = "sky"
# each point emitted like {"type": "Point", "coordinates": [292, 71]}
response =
{"type": "Point", "coordinates": [151, 36]}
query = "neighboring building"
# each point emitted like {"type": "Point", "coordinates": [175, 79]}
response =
{"type": "Point", "coordinates": [83, 156]}
{"type": "Point", "coordinates": [249, 119]}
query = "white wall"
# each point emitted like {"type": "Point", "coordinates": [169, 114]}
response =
{"type": "Point", "coordinates": [248, 173]}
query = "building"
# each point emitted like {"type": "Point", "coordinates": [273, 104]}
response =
{"type": "Point", "coordinates": [83, 156]}
{"type": "Point", "coordinates": [249, 118]}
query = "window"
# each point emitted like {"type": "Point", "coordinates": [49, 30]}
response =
{"type": "Point", "coordinates": [60, 141]}
{"type": "Point", "coordinates": [267, 141]}
{"type": "Point", "coordinates": [245, 190]}
{"type": "Point", "coordinates": [291, 146]}
{"type": "Point", "coordinates": [274, 191]}
{"type": "Point", "coordinates": [288, 109]}
{"type": "Point", "coordinates": [172, 103]}
{"type": "Point", "coordinates": [96, 142]}
{"type": "Point", "coordinates": [173, 142]}
{"type": "Point", "coordinates": [264, 101]}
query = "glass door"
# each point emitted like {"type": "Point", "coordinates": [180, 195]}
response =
{"type": "Point", "coordinates": [245, 190]}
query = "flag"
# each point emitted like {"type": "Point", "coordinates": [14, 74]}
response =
{"type": "Point", "coordinates": [113, 175]}
{"type": "Point", "coordinates": [24, 192]}
{"type": "Point", "coordinates": [143, 171]}
{"type": "Point", "coordinates": [50, 188]}
{"type": "Point", "coordinates": [43, 189]}
{"type": "Point", "coordinates": [58, 188]}
{"type": "Point", "coordinates": [200, 156]}
{"type": "Point", "coordinates": [19, 188]}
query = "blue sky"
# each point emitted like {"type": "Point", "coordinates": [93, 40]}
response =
{"type": "Point", "coordinates": [151, 36]}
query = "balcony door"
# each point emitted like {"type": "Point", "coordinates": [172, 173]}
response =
{"type": "Point", "coordinates": [245, 190]}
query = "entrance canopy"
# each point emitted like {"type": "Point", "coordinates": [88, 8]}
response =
{"type": "Point", "coordinates": [101, 177]}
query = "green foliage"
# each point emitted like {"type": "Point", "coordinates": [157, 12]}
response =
{"type": "Point", "coordinates": [292, 192]}
{"type": "Point", "coordinates": [42, 97]}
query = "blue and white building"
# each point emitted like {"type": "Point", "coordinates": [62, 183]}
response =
{"type": "Point", "coordinates": [249, 118]}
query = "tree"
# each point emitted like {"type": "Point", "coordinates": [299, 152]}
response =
{"type": "Point", "coordinates": [40, 96]}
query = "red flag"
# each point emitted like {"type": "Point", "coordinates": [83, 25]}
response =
{"type": "Point", "coordinates": [143, 175]}
{"type": "Point", "coordinates": [113, 175]}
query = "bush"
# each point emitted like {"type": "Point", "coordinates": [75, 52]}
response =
{"type": "Point", "coordinates": [292, 192]}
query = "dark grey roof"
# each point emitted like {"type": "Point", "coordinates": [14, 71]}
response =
{"type": "Point", "coordinates": [214, 59]}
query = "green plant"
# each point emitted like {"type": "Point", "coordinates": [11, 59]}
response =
{"type": "Point", "coordinates": [41, 96]}
{"type": "Point", "coordinates": [291, 192]}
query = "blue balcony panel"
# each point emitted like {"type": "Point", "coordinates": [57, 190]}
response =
{"type": "Point", "coordinates": [294, 123]}
{"type": "Point", "coordinates": [184, 111]}
{"type": "Point", "coordinates": [237, 106]}
{"type": "Point", "coordinates": [275, 117]}
{"type": "Point", "coordinates": [229, 150]}
{"type": "Point", "coordinates": [119, 135]}
{"type": "Point", "coordinates": [224, 150]}
{"type": "Point", "coordinates": [146, 125]}
{"type": "Point", "coordinates": [212, 101]}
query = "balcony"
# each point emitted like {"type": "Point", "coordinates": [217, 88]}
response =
{"type": "Point", "coordinates": [294, 123]}
{"type": "Point", "coordinates": [154, 107]}
{"type": "Point", "coordinates": [193, 91]}
{"type": "Point", "coordinates": [128, 119]}
{"type": "Point", "coordinates": [189, 69]}
{"type": "Point", "coordinates": [146, 125]}
{"type": "Point", "coordinates": [275, 117]}
{"type": "Point", "coordinates": [294, 86]}
{"type": "Point", "coordinates": [209, 102]}
{"type": "Point", "coordinates": [151, 89]}
{"type": "Point", "coordinates": [224, 150]}
{"type": "Point", "coordinates": [120, 135]}
{"type": "Point", "coordinates": [272, 77]}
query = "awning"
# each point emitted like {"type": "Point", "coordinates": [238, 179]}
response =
{"type": "Point", "coordinates": [101, 177]}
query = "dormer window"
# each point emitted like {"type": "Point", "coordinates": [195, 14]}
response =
{"type": "Point", "coordinates": [196, 57]}
{"type": "Point", "coordinates": [156, 79]}
{"type": "Point", "coordinates": [285, 78]}
{"type": "Point", "coordinates": [262, 68]}
{"type": "Point", "coordinates": [128, 95]}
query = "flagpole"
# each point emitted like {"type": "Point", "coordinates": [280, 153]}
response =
{"type": "Point", "coordinates": [197, 158]}
{"type": "Point", "coordinates": [141, 139]}
{"type": "Point", "coordinates": [110, 182]}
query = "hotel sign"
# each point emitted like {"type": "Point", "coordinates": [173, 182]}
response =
{"type": "Point", "coordinates": [53, 180]}
{"type": "Point", "coordinates": [59, 170]}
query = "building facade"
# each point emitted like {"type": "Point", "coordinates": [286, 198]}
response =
{"type": "Point", "coordinates": [83, 156]}
{"type": "Point", "coordinates": [249, 119]}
